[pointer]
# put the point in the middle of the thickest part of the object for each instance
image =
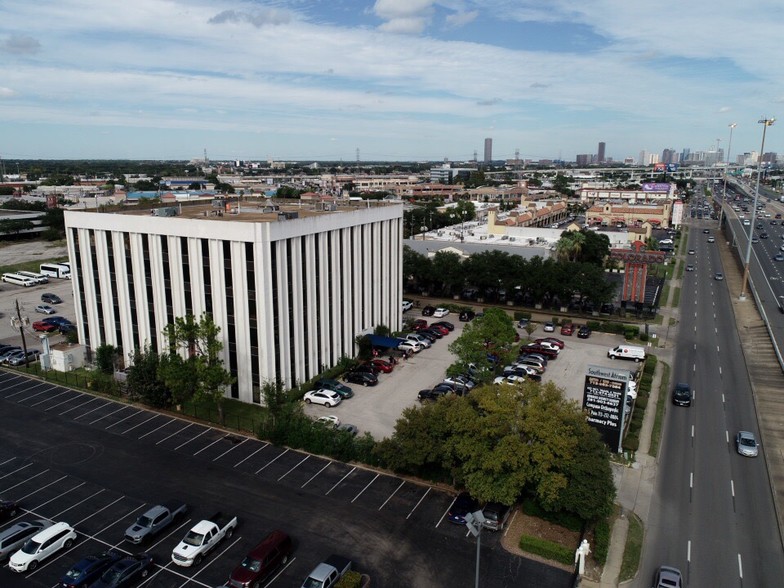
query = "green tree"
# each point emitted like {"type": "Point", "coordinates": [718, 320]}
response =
{"type": "Point", "coordinates": [143, 379]}
{"type": "Point", "coordinates": [106, 357]}
{"type": "Point", "coordinates": [15, 226]}
{"type": "Point", "coordinates": [192, 368]}
{"type": "Point", "coordinates": [448, 273]}
{"type": "Point", "coordinates": [570, 245]}
{"type": "Point", "coordinates": [492, 333]}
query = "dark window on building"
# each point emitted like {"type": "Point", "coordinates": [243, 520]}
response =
{"type": "Point", "coordinates": [186, 275]}
{"type": "Point", "coordinates": [290, 297]}
{"type": "Point", "coordinates": [275, 310]}
{"type": "Point", "coordinates": [231, 325]}
{"type": "Point", "coordinates": [98, 292]}
{"type": "Point", "coordinates": [167, 284]}
{"type": "Point", "coordinates": [80, 284]}
{"type": "Point", "coordinates": [113, 288]}
{"type": "Point", "coordinates": [305, 268]}
{"type": "Point", "coordinates": [205, 262]}
{"type": "Point", "coordinates": [131, 290]}
{"type": "Point", "coordinates": [253, 323]}
{"type": "Point", "coordinates": [150, 297]}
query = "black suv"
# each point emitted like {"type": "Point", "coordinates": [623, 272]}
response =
{"type": "Point", "coordinates": [428, 310]}
{"type": "Point", "coordinates": [50, 298]}
{"type": "Point", "coordinates": [467, 315]}
{"type": "Point", "coordinates": [681, 395]}
{"type": "Point", "coordinates": [364, 378]}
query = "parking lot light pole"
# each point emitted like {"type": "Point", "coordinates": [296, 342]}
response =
{"type": "Point", "coordinates": [765, 122]}
{"type": "Point", "coordinates": [726, 171]}
{"type": "Point", "coordinates": [474, 522]}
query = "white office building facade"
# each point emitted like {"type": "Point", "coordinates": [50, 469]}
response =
{"type": "Point", "coordinates": [290, 296]}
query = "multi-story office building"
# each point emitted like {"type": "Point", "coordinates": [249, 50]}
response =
{"type": "Point", "coordinates": [600, 155]}
{"type": "Point", "coordinates": [289, 286]}
{"type": "Point", "coordinates": [488, 150]}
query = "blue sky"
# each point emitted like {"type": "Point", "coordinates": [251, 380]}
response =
{"type": "Point", "coordinates": [396, 79]}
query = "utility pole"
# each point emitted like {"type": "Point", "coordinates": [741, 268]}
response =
{"type": "Point", "coordinates": [21, 322]}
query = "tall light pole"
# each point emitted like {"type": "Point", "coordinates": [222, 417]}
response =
{"type": "Point", "coordinates": [765, 122]}
{"type": "Point", "coordinates": [726, 171]}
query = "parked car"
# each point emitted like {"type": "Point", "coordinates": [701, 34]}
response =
{"type": "Point", "coordinates": [329, 420]}
{"type": "Point", "coordinates": [8, 509]}
{"type": "Point", "coordinates": [444, 324]}
{"type": "Point", "coordinates": [450, 389]}
{"type": "Point", "coordinates": [41, 546]}
{"type": "Point", "coordinates": [428, 310]}
{"type": "Point", "coordinates": [418, 325]}
{"type": "Point", "coordinates": [364, 378]}
{"type": "Point", "coordinates": [534, 363]}
{"type": "Point", "coordinates": [548, 327]}
{"type": "Point", "coordinates": [467, 315]}
{"type": "Point", "coordinates": [21, 359]}
{"type": "Point", "coordinates": [440, 312]}
{"type": "Point", "coordinates": [262, 561]}
{"type": "Point", "coordinates": [567, 329]}
{"type": "Point", "coordinates": [324, 397]}
{"type": "Point", "coordinates": [382, 365]}
{"type": "Point", "coordinates": [349, 428]}
{"type": "Point", "coordinates": [335, 386]}
{"type": "Point", "coordinates": [50, 298]}
{"type": "Point", "coordinates": [57, 321]}
{"type": "Point", "coordinates": [44, 327]}
{"type": "Point", "coordinates": [548, 345]}
{"type": "Point", "coordinates": [65, 329]}
{"type": "Point", "coordinates": [410, 346]}
{"type": "Point", "coordinates": [583, 332]}
{"type": "Point", "coordinates": [462, 505]}
{"type": "Point", "coordinates": [126, 572]}
{"type": "Point", "coordinates": [510, 379]}
{"type": "Point", "coordinates": [406, 305]}
{"type": "Point", "coordinates": [560, 343]}
{"type": "Point", "coordinates": [366, 367]}
{"type": "Point", "coordinates": [44, 309]}
{"type": "Point", "coordinates": [429, 395]}
{"type": "Point", "coordinates": [548, 352]}
{"type": "Point", "coordinates": [496, 515]}
{"type": "Point", "coordinates": [439, 328]}
{"type": "Point", "coordinates": [88, 569]}
{"type": "Point", "coordinates": [461, 379]}
{"type": "Point", "coordinates": [154, 520]}
{"type": "Point", "coordinates": [746, 444]}
{"type": "Point", "coordinates": [431, 333]}
{"type": "Point", "coordinates": [12, 538]}
{"type": "Point", "coordinates": [10, 351]}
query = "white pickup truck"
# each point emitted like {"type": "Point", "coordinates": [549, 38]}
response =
{"type": "Point", "coordinates": [201, 539]}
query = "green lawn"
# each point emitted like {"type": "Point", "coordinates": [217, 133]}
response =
{"type": "Point", "coordinates": [633, 550]}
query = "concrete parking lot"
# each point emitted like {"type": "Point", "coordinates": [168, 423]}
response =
{"type": "Point", "coordinates": [376, 409]}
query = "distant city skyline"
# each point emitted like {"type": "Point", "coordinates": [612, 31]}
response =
{"type": "Point", "coordinates": [393, 80]}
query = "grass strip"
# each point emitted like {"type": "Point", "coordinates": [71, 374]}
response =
{"type": "Point", "coordinates": [547, 549]}
{"type": "Point", "coordinates": [661, 403]}
{"type": "Point", "coordinates": [633, 549]}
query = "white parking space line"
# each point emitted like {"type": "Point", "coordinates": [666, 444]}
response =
{"type": "Point", "coordinates": [60, 495]}
{"type": "Point", "coordinates": [418, 503]}
{"type": "Point", "coordinates": [251, 455]}
{"type": "Point", "coordinates": [78, 503]}
{"type": "Point", "coordinates": [23, 390]}
{"type": "Point", "coordinates": [63, 402]}
{"type": "Point", "coordinates": [99, 510]}
{"type": "Point", "coordinates": [391, 495]}
{"type": "Point", "coordinates": [191, 439]}
{"type": "Point", "coordinates": [122, 420]}
{"type": "Point", "coordinates": [339, 481]}
{"type": "Point", "coordinates": [26, 496]}
{"type": "Point", "coordinates": [155, 429]}
{"type": "Point", "coordinates": [273, 461]}
{"type": "Point", "coordinates": [6, 461]}
{"type": "Point", "coordinates": [294, 468]}
{"type": "Point", "coordinates": [78, 406]}
{"type": "Point", "coordinates": [218, 440]}
{"type": "Point", "coordinates": [27, 465]}
{"type": "Point", "coordinates": [283, 569]}
{"type": "Point", "coordinates": [93, 410]}
{"type": "Point", "coordinates": [172, 532]}
{"type": "Point", "coordinates": [108, 415]}
{"type": "Point", "coordinates": [232, 448]}
{"type": "Point", "coordinates": [50, 398]}
{"type": "Point", "coordinates": [172, 570]}
{"type": "Point", "coordinates": [509, 526]}
{"type": "Point", "coordinates": [120, 520]}
{"type": "Point", "coordinates": [23, 482]}
{"type": "Point", "coordinates": [188, 426]}
{"type": "Point", "coordinates": [446, 511]}
{"type": "Point", "coordinates": [213, 559]}
{"type": "Point", "coordinates": [365, 488]}
{"type": "Point", "coordinates": [26, 398]}
{"type": "Point", "coordinates": [155, 416]}
{"type": "Point", "coordinates": [316, 474]}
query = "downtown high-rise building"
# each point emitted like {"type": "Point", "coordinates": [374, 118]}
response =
{"type": "Point", "coordinates": [600, 154]}
{"type": "Point", "coordinates": [488, 150]}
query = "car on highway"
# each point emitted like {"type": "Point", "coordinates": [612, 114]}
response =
{"type": "Point", "coordinates": [462, 505]}
{"type": "Point", "coordinates": [262, 561]}
{"type": "Point", "coordinates": [126, 572]}
{"type": "Point", "coordinates": [705, 231]}
{"type": "Point", "coordinates": [41, 546]}
{"type": "Point", "coordinates": [778, 257]}
{"type": "Point", "coordinates": [711, 239]}
{"type": "Point", "coordinates": [668, 577]}
{"type": "Point", "coordinates": [50, 298]}
{"type": "Point", "coordinates": [689, 268]}
{"type": "Point", "coordinates": [44, 309]}
{"type": "Point", "coordinates": [746, 444]}
{"type": "Point", "coordinates": [719, 276]}
{"type": "Point", "coordinates": [681, 394]}
{"type": "Point", "coordinates": [324, 397]}
{"type": "Point", "coordinates": [584, 332]}
{"type": "Point", "coordinates": [88, 569]}
{"type": "Point", "coordinates": [440, 312]}
{"type": "Point", "coordinates": [364, 378]}
{"type": "Point", "coordinates": [12, 538]}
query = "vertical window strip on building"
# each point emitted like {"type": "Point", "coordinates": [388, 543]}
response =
{"type": "Point", "coordinates": [131, 289]}
{"type": "Point", "coordinates": [148, 287]}
{"type": "Point", "coordinates": [231, 323]}
{"type": "Point", "coordinates": [320, 359]}
{"type": "Point", "coordinates": [290, 299]}
{"type": "Point", "coordinates": [186, 275]}
{"type": "Point", "coordinates": [253, 322]}
{"type": "Point", "coordinates": [167, 280]}
{"type": "Point", "coordinates": [207, 285]}
{"type": "Point", "coordinates": [275, 310]}
{"type": "Point", "coordinates": [93, 235]}
{"type": "Point", "coordinates": [305, 270]}
{"type": "Point", "coordinates": [114, 290]}
{"type": "Point", "coordinates": [80, 285]}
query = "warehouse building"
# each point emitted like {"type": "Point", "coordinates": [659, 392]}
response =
{"type": "Point", "coordinates": [290, 286]}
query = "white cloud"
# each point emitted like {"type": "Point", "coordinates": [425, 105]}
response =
{"type": "Point", "coordinates": [460, 19]}
{"type": "Point", "coordinates": [6, 92]}
{"type": "Point", "coordinates": [404, 16]}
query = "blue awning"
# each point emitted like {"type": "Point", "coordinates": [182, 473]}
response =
{"type": "Point", "coordinates": [381, 341]}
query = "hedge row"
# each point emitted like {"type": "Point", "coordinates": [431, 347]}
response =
{"type": "Point", "coordinates": [547, 549]}
{"type": "Point", "coordinates": [632, 440]}
{"type": "Point", "coordinates": [601, 541]}
{"type": "Point", "coordinates": [562, 519]}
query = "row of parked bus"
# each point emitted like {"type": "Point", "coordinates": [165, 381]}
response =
{"type": "Point", "coordinates": [46, 271]}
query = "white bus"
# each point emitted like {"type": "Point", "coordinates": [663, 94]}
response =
{"type": "Point", "coordinates": [39, 278]}
{"type": "Point", "coordinates": [18, 280]}
{"type": "Point", "coordinates": [55, 270]}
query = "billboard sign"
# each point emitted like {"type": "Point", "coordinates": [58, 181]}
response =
{"type": "Point", "coordinates": [604, 399]}
{"type": "Point", "coordinates": [672, 167]}
{"type": "Point", "coordinates": [656, 187]}
{"type": "Point", "coordinates": [659, 167]}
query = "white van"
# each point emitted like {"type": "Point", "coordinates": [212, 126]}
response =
{"type": "Point", "coordinates": [627, 352]}
{"type": "Point", "coordinates": [39, 547]}
{"type": "Point", "coordinates": [39, 278]}
{"type": "Point", "coordinates": [55, 270]}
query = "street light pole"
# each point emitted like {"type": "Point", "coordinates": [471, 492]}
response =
{"type": "Point", "coordinates": [766, 122]}
{"type": "Point", "coordinates": [726, 171]}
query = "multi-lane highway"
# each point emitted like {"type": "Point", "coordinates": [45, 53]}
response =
{"type": "Point", "coordinates": [712, 514]}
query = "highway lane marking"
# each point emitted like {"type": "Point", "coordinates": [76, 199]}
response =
{"type": "Point", "coordinates": [316, 474]}
{"type": "Point", "coordinates": [251, 455]}
{"type": "Point", "coordinates": [339, 481]}
{"type": "Point", "coordinates": [78, 406]}
{"type": "Point", "coordinates": [212, 561]}
{"type": "Point", "coordinates": [232, 448]}
{"type": "Point", "coordinates": [78, 503]}
{"type": "Point", "coordinates": [365, 488]}
{"type": "Point", "coordinates": [720, 372]}
{"type": "Point", "coordinates": [732, 488]}
{"type": "Point", "coordinates": [740, 567]}
{"type": "Point", "coordinates": [717, 349]}
{"type": "Point", "coordinates": [688, 551]}
{"type": "Point", "coordinates": [60, 495]}
{"type": "Point", "coordinates": [100, 510]}
{"type": "Point", "coordinates": [694, 367]}
{"type": "Point", "coordinates": [4, 491]}
{"type": "Point", "coordinates": [692, 431]}
{"type": "Point", "coordinates": [93, 410]}
{"type": "Point", "coordinates": [16, 470]}
{"type": "Point", "coordinates": [446, 511]}
{"type": "Point", "coordinates": [691, 480]}
{"type": "Point", "coordinates": [727, 436]}
{"type": "Point", "coordinates": [22, 391]}
{"type": "Point", "coordinates": [716, 330]}
{"type": "Point", "coordinates": [26, 398]}
{"type": "Point", "coordinates": [391, 495]}
{"type": "Point", "coordinates": [218, 440]}
{"type": "Point", "coordinates": [155, 416]}
{"type": "Point", "coordinates": [418, 503]}
{"type": "Point", "coordinates": [304, 459]}
{"type": "Point", "coordinates": [183, 444]}
{"type": "Point", "coordinates": [39, 489]}
{"type": "Point", "coordinates": [108, 415]}
{"type": "Point", "coordinates": [722, 398]}
{"type": "Point", "coordinates": [273, 461]}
